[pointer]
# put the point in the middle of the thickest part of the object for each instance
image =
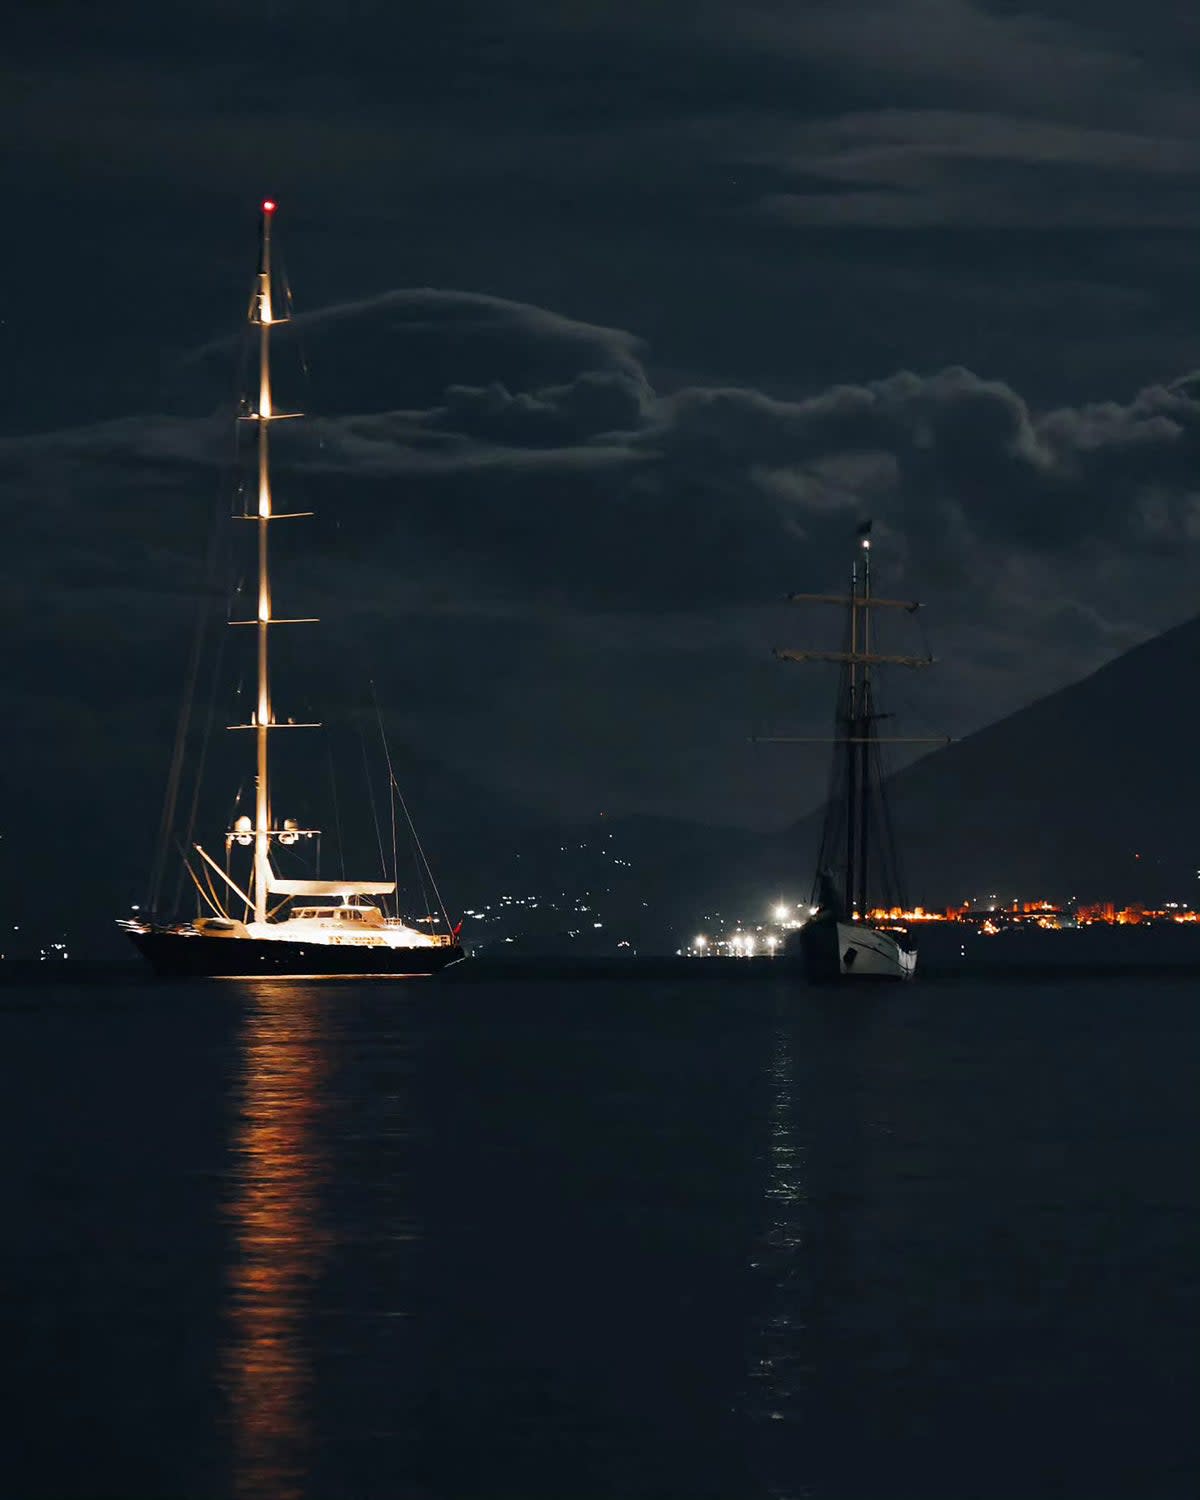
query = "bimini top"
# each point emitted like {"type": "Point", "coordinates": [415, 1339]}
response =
{"type": "Point", "coordinates": [341, 888]}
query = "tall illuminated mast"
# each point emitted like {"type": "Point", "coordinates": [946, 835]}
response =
{"type": "Point", "coordinates": [246, 935]}
{"type": "Point", "coordinates": [261, 313]}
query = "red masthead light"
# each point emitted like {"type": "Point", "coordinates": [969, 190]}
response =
{"type": "Point", "coordinates": [268, 205]}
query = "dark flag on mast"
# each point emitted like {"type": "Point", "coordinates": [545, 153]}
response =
{"type": "Point", "coordinates": [864, 528]}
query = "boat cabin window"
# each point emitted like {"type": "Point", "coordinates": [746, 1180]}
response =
{"type": "Point", "coordinates": [336, 913]}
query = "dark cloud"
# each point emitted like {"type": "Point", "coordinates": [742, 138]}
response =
{"type": "Point", "coordinates": [776, 195]}
{"type": "Point", "coordinates": [728, 480]}
{"type": "Point", "coordinates": [594, 493]}
{"type": "Point", "coordinates": [424, 346]}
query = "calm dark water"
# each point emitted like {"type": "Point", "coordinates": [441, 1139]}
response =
{"type": "Point", "coordinates": [691, 1242]}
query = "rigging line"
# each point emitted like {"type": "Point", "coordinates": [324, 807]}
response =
{"type": "Point", "coordinates": [175, 771]}
{"type": "Point", "coordinates": [910, 704]}
{"type": "Point", "coordinates": [890, 846]}
{"type": "Point", "coordinates": [362, 740]}
{"type": "Point", "coordinates": [205, 742]}
{"type": "Point", "coordinates": [420, 880]}
{"type": "Point", "coordinates": [217, 551]}
{"type": "Point", "coordinates": [365, 650]}
{"type": "Point", "coordinates": [195, 790]}
{"type": "Point", "coordinates": [831, 849]}
{"type": "Point", "coordinates": [423, 867]}
{"type": "Point", "coordinates": [239, 402]}
{"type": "Point", "coordinates": [200, 891]}
{"type": "Point", "coordinates": [924, 636]}
{"type": "Point", "coordinates": [229, 853]}
{"type": "Point", "coordinates": [420, 850]}
{"type": "Point", "coordinates": [186, 865]}
{"type": "Point", "coordinates": [310, 403]}
{"type": "Point", "coordinates": [420, 863]}
{"type": "Point", "coordinates": [290, 304]}
{"type": "Point", "coordinates": [387, 755]}
{"type": "Point", "coordinates": [185, 361]}
{"type": "Point", "coordinates": [212, 890]}
{"type": "Point", "coordinates": [337, 813]}
{"type": "Point", "coordinates": [200, 625]}
{"type": "Point", "coordinates": [232, 816]}
{"type": "Point", "coordinates": [417, 858]}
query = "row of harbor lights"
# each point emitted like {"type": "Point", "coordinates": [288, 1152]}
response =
{"type": "Point", "coordinates": [744, 944]}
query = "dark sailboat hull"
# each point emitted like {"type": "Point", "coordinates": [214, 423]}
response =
{"type": "Point", "coordinates": [177, 955]}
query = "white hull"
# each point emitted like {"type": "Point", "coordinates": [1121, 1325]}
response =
{"type": "Point", "coordinates": [867, 954]}
{"type": "Point", "coordinates": [847, 950]}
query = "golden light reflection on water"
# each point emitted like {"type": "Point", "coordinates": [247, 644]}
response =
{"type": "Point", "coordinates": [274, 1208]}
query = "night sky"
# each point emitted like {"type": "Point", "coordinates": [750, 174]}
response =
{"type": "Point", "coordinates": [618, 318]}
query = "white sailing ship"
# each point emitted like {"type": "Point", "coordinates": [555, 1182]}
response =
{"type": "Point", "coordinates": [857, 876]}
{"type": "Point", "coordinates": [339, 928]}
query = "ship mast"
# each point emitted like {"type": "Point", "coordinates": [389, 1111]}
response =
{"type": "Point", "coordinates": [849, 811]}
{"type": "Point", "coordinates": [261, 313]}
{"type": "Point", "coordinates": [262, 720]}
{"type": "Point", "coordinates": [852, 735]}
{"type": "Point", "coordinates": [859, 731]}
{"type": "Point", "coordinates": [866, 720]}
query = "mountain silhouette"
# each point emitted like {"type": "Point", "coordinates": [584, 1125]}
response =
{"type": "Point", "coordinates": [1087, 793]}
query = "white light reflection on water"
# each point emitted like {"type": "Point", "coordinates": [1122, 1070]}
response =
{"type": "Point", "coordinates": [274, 1208]}
{"type": "Point", "coordinates": [778, 1373]}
